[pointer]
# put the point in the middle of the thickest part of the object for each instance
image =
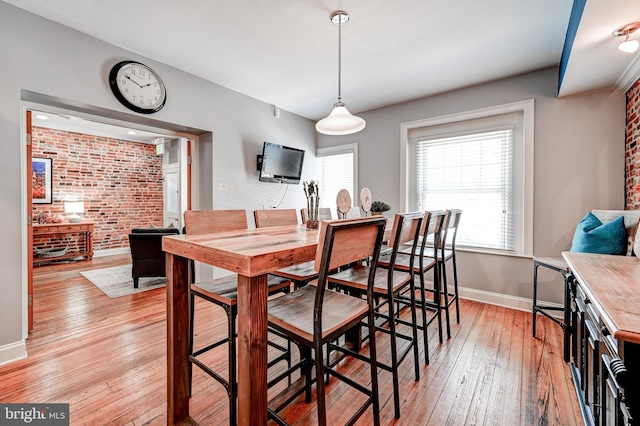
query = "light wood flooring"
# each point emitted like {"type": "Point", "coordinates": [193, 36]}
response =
{"type": "Point", "coordinates": [106, 358]}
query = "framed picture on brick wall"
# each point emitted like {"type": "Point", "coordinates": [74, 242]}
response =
{"type": "Point", "coordinates": [41, 180]}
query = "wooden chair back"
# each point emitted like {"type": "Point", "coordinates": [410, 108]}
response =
{"type": "Point", "coordinates": [406, 228]}
{"type": "Point", "coordinates": [432, 226]}
{"type": "Point", "coordinates": [345, 241]}
{"type": "Point", "coordinates": [405, 232]}
{"type": "Point", "coordinates": [207, 221]}
{"type": "Point", "coordinates": [450, 228]}
{"type": "Point", "coordinates": [353, 213]}
{"type": "Point", "coordinates": [275, 217]}
{"type": "Point", "coordinates": [324, 213]}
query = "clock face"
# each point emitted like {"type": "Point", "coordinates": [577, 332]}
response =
{"type": "Point", "coordinates": [137, 87]}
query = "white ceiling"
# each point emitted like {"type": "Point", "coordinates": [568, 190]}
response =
{"type": "Point", "coordinates": [285, 52]}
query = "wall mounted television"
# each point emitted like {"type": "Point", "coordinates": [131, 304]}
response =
{"type": "Point", "coordinates": [280, 164]}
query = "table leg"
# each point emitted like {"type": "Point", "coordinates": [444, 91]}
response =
{"type": "Point", "coordinates": [252, 350]}
{"type": "Point", "coordinates": [89, 242]}
{"type": "Point", "coordinates": [177, 339]}
{"type": "Point", "coordinates": [567, 326]}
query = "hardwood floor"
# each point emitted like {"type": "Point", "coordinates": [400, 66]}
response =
{"type": "Point", "coordinates": [106, 358]}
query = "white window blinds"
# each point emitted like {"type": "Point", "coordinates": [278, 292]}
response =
{"type": "Point", "coordinates": [472, 172]}
{"type": "Point", "coordinates": [336, 171]}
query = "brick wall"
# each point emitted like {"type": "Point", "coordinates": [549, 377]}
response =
{"type": "Point", "coordinates": [119, 181]}
{"type": "Point", "coordinates": [632, 149]}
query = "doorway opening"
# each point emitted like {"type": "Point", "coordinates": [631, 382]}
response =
{"type": "Point", "coordinates": [87, 121]}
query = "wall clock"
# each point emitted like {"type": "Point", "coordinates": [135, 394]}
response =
{"type": "Point", "coordinates": [137, 87]}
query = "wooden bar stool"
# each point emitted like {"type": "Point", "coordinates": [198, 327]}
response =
{"type": "Point", "coordinates": [299, 274]}
{"type": "Point", "coordinates": [446, 251]}
{"type": "Point", "coordinates": [223, 292]}
{"type": "Point", "coordinates": [275, 217]}
{"type": "Point", "coordinates": [324, 213]}
{"type": "Point", "coordinates": [314, 316]}
{"type": "Point", "coordinates": [430, 308]}
{"type": "Point", "coordinates": [388, 286]}
{"type": "Point", "coordinates": [557, 264]}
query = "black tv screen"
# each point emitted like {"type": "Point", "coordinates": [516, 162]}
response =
{"type": "Point", "coordinates": [281, 164]}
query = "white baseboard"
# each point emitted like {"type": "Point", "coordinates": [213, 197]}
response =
{"type": "Point", "coordinates": [504, 300]}
{"type": "Point", "coordinates": [111, 252]}
{"type": "Point", "coordinates": [13, 352]}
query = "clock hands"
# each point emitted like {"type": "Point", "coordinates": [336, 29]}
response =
{"type": "Point", "coordinates": [129, 78]}
{"type": "Point", "coordinates": [142, 86]}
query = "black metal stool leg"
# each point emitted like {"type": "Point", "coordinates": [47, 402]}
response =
{"type": "Point", "coordinates": [558, 265]}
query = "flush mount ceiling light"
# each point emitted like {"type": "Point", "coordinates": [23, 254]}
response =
{"type": "Point", "coordinates": [340, 121]}
{"type": "Point", "coordinates": [628, 46]}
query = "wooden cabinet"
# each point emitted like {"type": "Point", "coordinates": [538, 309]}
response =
{"type": "Point", "coordinates": [585, 362]}
{"type": "Point", "coordinates": [605, 353]}
{"type": "Point", "coordinates": [84, 248]}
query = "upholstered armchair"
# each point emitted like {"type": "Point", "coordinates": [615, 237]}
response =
{"type": "Point", "coordinates": [147, 257]}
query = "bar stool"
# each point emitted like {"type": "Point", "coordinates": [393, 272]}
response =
{"type": "Point", "coordinates": [446, 252]}
{"type": "Point", "coordinates": [275, 217]}
{"type": "Point", "coordinates": [314, 316]}
{"type": "Point", "coordinates": [300, 274]}
{"type": "Point", "coordinates": [432, 225]}
{"type": "Point", "coordinates": [388, 286]}
{"type": "Point", "coordinates": [324, 213]}
{"type": "Point", "coordinates": [559, 265]}
{"type": "Point", "coordinates": [223, 292]}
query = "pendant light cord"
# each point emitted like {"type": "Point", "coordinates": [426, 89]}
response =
{"type": "Point", "coordinates": [340, 60]}
{"type": "Point", "coordinates": [340, 121]}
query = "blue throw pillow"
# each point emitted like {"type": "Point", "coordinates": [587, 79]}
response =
{"type": "Point", "coordinates": [592, 236]}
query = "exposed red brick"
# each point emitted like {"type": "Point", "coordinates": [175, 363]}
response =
{"type": "Point", "coordinates": [632, 150]}
{"type": "Point", "coordinates": [119, 181]}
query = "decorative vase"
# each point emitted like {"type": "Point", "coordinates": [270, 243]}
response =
{"type": "Point", "coordinates": [313, 203]}
{"type": "Point", "coordinates": [376, 213]}
{"type": "Point", "coordinates": [313, 207]}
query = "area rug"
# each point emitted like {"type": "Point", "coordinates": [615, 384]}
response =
{"type": "Point", "coordinates": [116, 281]}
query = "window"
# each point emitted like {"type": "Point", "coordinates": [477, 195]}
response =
{"type": "Point", "coordinates": [480, 162]}
{"type": "Point", "coordinates": [337, 169]}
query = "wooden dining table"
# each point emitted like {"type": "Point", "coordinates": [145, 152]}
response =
{"type": "Point", "coordinates": [252, 254]}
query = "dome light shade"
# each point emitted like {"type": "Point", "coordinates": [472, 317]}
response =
{"type": "Point", "coordinates": [629, 46]}
{"type": "Point", "coordinates": [340, 122]}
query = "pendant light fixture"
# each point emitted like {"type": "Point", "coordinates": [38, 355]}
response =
{"type": "Point", "coordinates": [627, 46]}
{"type": "Point", "coordinates": [340, 121]}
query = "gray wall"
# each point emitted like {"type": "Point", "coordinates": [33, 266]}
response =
{"type": "Point", "coordinates": [45, 58]}
{"type": "Point", "coordinates": [578, 166]}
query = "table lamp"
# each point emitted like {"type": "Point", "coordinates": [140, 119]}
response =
{"type": "Point", "coordinates": [74, 207]}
